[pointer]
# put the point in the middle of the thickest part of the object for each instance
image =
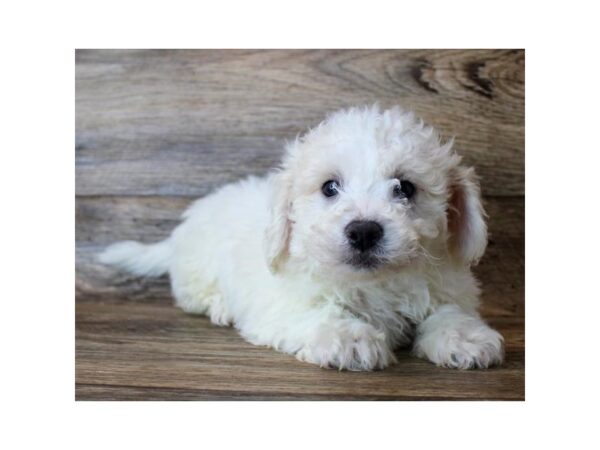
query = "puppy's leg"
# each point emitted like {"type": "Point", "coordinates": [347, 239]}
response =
{"type": "Point", "coordinates": [196, 294]}
{"type": "Point", "coordinates": [346, 343]}
{"type": "Point", "coordinates": [451, 337]}
{"type": "Point", "coordinates": [327, 335]}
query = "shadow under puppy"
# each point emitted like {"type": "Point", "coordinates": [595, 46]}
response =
{"type": "Point", "coordinates": [360, 243]}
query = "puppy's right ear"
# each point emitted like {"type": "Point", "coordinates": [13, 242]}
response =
{"type": "Point", "coordinates": [277, 233]}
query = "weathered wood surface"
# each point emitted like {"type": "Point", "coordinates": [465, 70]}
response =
{"type": "Point", "coordinates": [181, 122]}
{"type": "Point", "coordinates": [104, 220]}
{"type": "Point", "coordinates": [133, 344]}
{"type": "Point", "coordinates": [127, 351]}
{"type": "Point", "coordinates": [156, 128]}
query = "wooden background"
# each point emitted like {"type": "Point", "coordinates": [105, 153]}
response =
{"type": "Point", "coordinates": [155, 129]}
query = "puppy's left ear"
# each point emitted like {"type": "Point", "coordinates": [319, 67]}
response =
{"type": "Point", "coordinates": [466, 217]}
{"type": "Point", "coordinates": [277, 233]}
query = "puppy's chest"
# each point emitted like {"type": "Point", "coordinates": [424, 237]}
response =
{"type": "Point", "coordinates": [386, 304]}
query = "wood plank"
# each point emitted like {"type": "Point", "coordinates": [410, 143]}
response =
{"type": "Point", "coordinates": [132, 344]}
{"type": "Point", "coordinates": [126, 350]}
{"type": "Point", "coordinates": [502, 268]}
{"type": "Point", "coordinates": [104, 220]}
{"type": "Point", "coordinates": [156, 123]}
{"type": "Point", "coordinates": [182, 122]}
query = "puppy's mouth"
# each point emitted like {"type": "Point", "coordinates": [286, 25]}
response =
{"type": "Point", "coordinates": [364, 260]}
{"type": "Point", "coordinates": [372, 261]}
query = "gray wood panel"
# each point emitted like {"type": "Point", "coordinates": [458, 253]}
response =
{"type": "Point", "coordinates": [181, 122]}
{"type": "Point", "coordinates": [154, 129]}
{"type": "Point", "coordinates": [154, 351]}
{"type": "Point", "coordinates": [104, 220]}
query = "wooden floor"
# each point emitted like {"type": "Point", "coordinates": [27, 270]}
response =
{"type": "Point", "coordinates": [156, 129]}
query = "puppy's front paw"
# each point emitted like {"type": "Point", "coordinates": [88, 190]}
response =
{"type": "Point", "coordinates": [470, 348]}
{"type": "Point", "coordinates": [350, 345]}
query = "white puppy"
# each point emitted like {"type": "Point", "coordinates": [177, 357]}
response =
{"type": "Point", "coordinates": [360, 243]}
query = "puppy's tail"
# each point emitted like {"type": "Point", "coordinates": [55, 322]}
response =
{"type": "Point", "coordinates": [141, 259]}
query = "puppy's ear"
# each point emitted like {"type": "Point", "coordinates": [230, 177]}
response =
{"type": "Point", "coordinates": [466, 217]}
{"type": "Point", "coordinates": [277, 233]}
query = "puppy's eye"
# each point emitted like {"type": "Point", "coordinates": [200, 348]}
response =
{"type": "Point", "coordinates": [404, 190]}
{"type": "Point", "coordinates": [330, 188]}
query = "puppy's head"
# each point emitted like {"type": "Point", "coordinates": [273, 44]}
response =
{"type": "Point", "coordinates": [369, 193]}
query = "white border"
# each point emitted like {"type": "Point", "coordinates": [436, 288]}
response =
{"type": "Point", "coordinates": [38, 222]}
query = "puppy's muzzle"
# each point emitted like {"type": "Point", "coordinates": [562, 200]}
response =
{"type": "Point", "coordinates": [363, 235]}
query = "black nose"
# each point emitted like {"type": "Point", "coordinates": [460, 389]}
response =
{"type": "Point", "coordinates": [363, 234]}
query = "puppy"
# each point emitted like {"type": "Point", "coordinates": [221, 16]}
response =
{"type": "Point", "coordinates": [360, 243]}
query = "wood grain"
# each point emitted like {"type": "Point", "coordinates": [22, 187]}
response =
{"type": "Point", "coordinates": [155, 129]}
{"type": "Point", "coordinates": [104, 220]}
{"type": "Point", "coordinates": [156, 351]}
{"type": "Point", "coordinates": [129, 352]}
{"type": "Point", "coordinates": [131, 343]}
{"type": "Point", "coordinates": [181, 122]}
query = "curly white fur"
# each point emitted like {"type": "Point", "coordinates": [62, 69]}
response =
{"type": "Point", "coordinates": [270, 255]}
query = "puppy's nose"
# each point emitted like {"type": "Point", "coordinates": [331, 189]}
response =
{"type": "Point", "coordinates": [363, 234]}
